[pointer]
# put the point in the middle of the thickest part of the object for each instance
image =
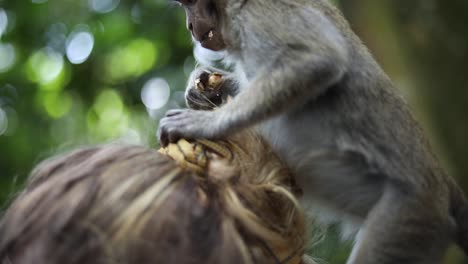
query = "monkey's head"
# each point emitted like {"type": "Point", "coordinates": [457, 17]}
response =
{"type": "Point", "coordinates": [203, 22]}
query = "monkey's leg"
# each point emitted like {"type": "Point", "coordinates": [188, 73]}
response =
{"type": "Point", "coordinates": [404, 228]}
{"type": "Point", "coordinates": [399, 226]}
{"type": "Point", "coordinates": [344, 180]}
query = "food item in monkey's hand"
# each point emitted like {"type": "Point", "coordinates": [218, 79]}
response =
{"type": "Point", "coordinates": [210, 81]}
{"type": "Point", "coordinates": [215, 80]}
{"type": "Point", "coordinates": [207, 94]}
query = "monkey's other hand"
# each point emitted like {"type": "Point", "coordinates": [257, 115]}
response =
{"type": "Point", "coordinates": [188, 124]}
{"type": "Point", "coordinates": [205, 93]}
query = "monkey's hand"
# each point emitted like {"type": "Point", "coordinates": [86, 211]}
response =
{"type": "Point", "coordinates": [189, 124]}
{"type": "Point", "coordinates": [209, 88]}
{"type": "Point", "coordinates": [206, 91]}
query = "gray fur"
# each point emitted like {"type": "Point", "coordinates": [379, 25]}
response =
{"type": "Point", "coordinates": [317, 95]}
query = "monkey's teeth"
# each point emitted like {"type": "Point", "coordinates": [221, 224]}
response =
{"type": "Point", "coordinates": [210, 34]}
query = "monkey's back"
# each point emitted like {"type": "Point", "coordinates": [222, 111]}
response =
{"type": "Point", "coordinates": [364, 112]}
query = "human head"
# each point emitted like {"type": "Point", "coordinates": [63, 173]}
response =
{"type": "Point", "coordinates": [131, 204]}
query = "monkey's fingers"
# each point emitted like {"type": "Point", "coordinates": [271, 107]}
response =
{"type": "Point", "coordinates": [201, 83]}
{"type": "Point", "coordinates": [163, 137]}
{"type": "Point", "coordinates": [166, 137]}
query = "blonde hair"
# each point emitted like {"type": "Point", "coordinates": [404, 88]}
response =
{"type": "Point", "coordinates": [131, 204]}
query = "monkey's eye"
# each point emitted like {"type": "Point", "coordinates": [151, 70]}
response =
{"type": "Point", "coordinates": [211, 8]}
{"type": "Point", "coordinates": [184, 2]}
{"type": "Point", "coordinates": [187, 2]}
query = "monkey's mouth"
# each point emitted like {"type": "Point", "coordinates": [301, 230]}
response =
{"type": "Point", "coordinates": [208, 35]}
{"type": "Point", "coordinates": [212, 40]}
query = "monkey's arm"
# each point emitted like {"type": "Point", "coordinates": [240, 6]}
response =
{"type": "Point", "coordinates": [288, 70]}
{"type": "Point", "coordinates": [294, 78]}
{"type": "Point", "coordinates": [294, 59]}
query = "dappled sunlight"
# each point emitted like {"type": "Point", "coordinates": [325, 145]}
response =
{"type": "Point", "coordinates": [3, 122]}
{"type": "Point", "coordinates": [74, 73]}
{"type": "Point", "coordinates": [81, 72]}
{"type": "Point", "coordinates": [130, 60]}
{"type": "Point", "coordinates": [103, 6]}
{"type": "Point", "coordinates": [7, 56]}
{"type": "Point", "coordinates": [155, 93]}
{"type": "Point", "coordinates": [109, 105]}
{"type": "Point", "coordinates": [55, 104]}
{"type": "Point", "coordinates": [108, 117]}
{"type": "Point", "coordinates": [79, 47]}
{"type": "Point", "coordinates": [3, 21]}
{"type": "Point", "coordinates": [45, 66]}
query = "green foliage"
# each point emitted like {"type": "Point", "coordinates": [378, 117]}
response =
{"type": "Point", "coordinates": [72, 72]}
{"type": "Point", "coordinates": [77, 72]}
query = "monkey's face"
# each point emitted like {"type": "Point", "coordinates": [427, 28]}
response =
{"type": "Point", "coordinates": [203, 23]}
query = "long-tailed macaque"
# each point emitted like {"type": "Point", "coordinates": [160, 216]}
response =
{"type": "Point", "coordinates": [315, 93]}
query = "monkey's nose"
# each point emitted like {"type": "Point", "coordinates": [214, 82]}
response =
{"type": "Point", "coordinates": [200, 29]}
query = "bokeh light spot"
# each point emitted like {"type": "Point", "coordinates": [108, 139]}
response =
{"type": "Point", "coordinates": [109, 117]}
{"type": "Point", "coordinates": [131, 61]}
{"type": "Point", "coordinates": [57, 105]}
{"type": "Point", "coordinates": [44, 66]}
{"type": "Point", "coordinates": [109, 105]}
{"type": "Point", "coordinates": [7, 57]}
{"type": "Point", "coordinates": [79, 47]}
{"type": "Point", "coordinates": [103, 6]}
{"type": "Point", "coordinates": [155, 93]}
{"type": "Point", "coordinates": [3, 21]}
{"type": "Point", "coordinates": [3, 122]}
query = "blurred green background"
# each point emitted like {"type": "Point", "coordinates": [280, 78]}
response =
{"type": "Point", "coordinates": [77, 72]}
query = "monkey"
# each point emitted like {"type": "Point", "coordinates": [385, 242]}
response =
{"type": "Point", "coordinates": [207, 94]}
{"type": "Point", "coordinates": [306, 82]}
